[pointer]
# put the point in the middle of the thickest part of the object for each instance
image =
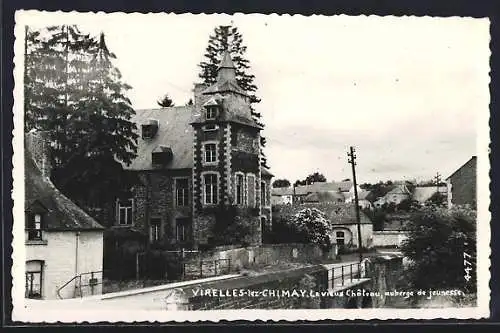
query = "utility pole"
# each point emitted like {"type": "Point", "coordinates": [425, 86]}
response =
{"type": "Point", "coordinates": [352, 160]}
{"type": "Point", "coordinates": [437, 178]}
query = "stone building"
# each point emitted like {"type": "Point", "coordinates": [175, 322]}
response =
{"type": "Point", "coordinates": [461, 185]}
{"type": "Point", "coordinates": [191, 161]}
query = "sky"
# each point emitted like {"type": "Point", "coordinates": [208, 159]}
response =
{"type": "Point", "coordinates": [410, 94]}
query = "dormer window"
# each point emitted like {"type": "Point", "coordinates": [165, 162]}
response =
{"type": "Point", "coordinates": [212, 112]}
{"type": "Point", "coordinates": [149, 130]}
{"type": "Point", "coordinates": [161, 155]}
{"type": "Point", "coordinates": [35, 227]}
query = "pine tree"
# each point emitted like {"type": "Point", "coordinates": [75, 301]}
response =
{"type": "Point", "coordinates": [227, 37]}
{"type": "Point", "coordinates": [165, 102]}
{"type": "Point", "coordinates": [79, 99]}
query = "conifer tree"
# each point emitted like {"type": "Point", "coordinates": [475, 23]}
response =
{"type": "Point", "coordinates": [79, 99]}
{"type": "Point", "coordinates": [165, 102]}
{"type": "Point", "coordinates": [227, 37]}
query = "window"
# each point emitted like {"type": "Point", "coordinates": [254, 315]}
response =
{"type": "Point", "coordinates": [182, 230]}
{"type": "Point", "coordinates": [35, 228]}
{"type": "Point", "coordinates": [34, 275]}
{"type": "Point", "coordinates": [263, 194]}
{"type": "Point", "coordinates": [210, 189]}
{"type": "Point", "coordinates": [210, 153]}
{"type": "Point", "coordinates": [211, 112]}
{"type": "Point", "coordinates": [239, 189]}
{"type": "Point", "coordinates": [155, 230]}
{"type": "Point", "coordinates": [210, 127]}
{"type": "Point", "coordinates": [340, 236]}
{"type": "Point", "coordinates": [182, 192]}
{"type": "Point", "coordinates": [125, 211]}
{"type": "Point", "coordinates": [251, 190]}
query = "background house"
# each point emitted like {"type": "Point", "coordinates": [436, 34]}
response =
{"type": "Point", "coordinates": [61, 240]}
{"type": "Point", "coordinates": [343, 190]}
{"type": "Point", "coordinates": [422, 194]}
{"type": "Point", "coordinates": [282, 196]}
{"type": "Point", "coordinates": [342, 216]}
{"type": "Point", "coordinates": [399, 193]}
{"type": "Point", "coordinates": [461, 185]}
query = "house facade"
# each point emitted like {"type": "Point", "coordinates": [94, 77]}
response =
{"type": "Point", "coordinates": [61, 240]}
{"type": "Point", "coordinates": [399, 193]}
{"type": "Point", "coordinates": [282, 196]}
{"type": "Point", "coordinates": [191, 161]}
{"type": "Point", "coordinates": [461, 185]}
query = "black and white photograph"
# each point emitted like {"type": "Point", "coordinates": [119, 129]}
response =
{"type": "Point", "coordinates": [179, 167]}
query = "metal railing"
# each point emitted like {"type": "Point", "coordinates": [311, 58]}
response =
{"type": "Point", "coordinates": [82, 281]}
{"type": "Point", "coordinates": [343, 275]}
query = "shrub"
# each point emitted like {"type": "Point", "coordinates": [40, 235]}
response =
{"type": "Point", "coordinates": [438, 242]}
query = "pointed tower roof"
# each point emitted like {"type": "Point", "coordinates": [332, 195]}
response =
{"type": "Point", "coordinates": [226, 62]}
{"type": "Point", "coordinates": [226, 72]}
{"type": "Point", "coordinates": [226, 78]}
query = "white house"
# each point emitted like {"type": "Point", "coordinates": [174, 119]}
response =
{"type": "Point", "coordinates": [282, 196]}
{"type": "Point", "coordinates": [64, 245]}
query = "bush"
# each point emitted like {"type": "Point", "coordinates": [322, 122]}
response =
{"type": "Point", "coordinates": [233, 226]}
{"type": "Point", "coordinates": [438, 242]}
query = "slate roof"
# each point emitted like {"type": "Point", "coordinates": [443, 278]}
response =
{"type": "Point", "coordinates": [61, 213]}
{"type": "Point", "coordinates": [423, 193]}
{"type": "Point", "coordinates": [338, 213]}
{"type": "Point", "coordinates": [174, 132]}
{"type": "Point", "coordinates": [281, 191]}
{"type": "Point", "coordinates": [399, 189]}
{"type": "Point", "coordinates": [329, 196]}
{"type": "Point", "coordinates": [265, 173]}
{"type": "Point", "coordinates": [324, 187]}
{"type": "Point", "coordinates": [362, 195]}
{"type": "Point", "coordinates": [231, 111]}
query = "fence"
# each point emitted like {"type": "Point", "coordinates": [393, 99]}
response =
{"type": "Point", "coordinates": [85, 284]}
{"type": "Point", "coordinates": [342, 275]}
{"type": "Point", "coordinates": [179, 265]}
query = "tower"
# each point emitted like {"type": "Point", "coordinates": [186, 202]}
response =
{"type": "Point", "coordinates": [226, 165]}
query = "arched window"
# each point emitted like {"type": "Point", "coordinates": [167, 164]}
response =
{"type": "Point", "coordinates": [34, 279]}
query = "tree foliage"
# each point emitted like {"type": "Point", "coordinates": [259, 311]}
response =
{"type": "Point", "coordinates": [378, 216]}
{"type": "Point", "coordinates": [166, 102]}
{"type": "Point", "coordinates": [310, 179]}
{"type": "Point", "coordinates": [227, 37]}
{"type": "Point", "coordinates": [281, 183]}
{"type": "Point", "coordinates": [231, 226]}
{"type": "Point", "coordinates": [437, 199]}
{"type": "Point", "coordinates": [314, 226]}
{"type": "Point", "coordinates": [75, 93]}
{"type": "Point", "coordinates": [439, 241]}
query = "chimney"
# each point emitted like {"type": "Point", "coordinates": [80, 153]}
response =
{"type": "Point", "coordinates": [199, 98]}
{"type": "Point", "coordinates": [38, 144]}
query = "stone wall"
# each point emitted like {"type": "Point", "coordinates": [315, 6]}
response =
{"type": "Point", "coordinates": [306, 279]}
{"type": "Point", "coordinates": [154, 197]}
{"type": "Point", "coordinates": [246, 257]}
